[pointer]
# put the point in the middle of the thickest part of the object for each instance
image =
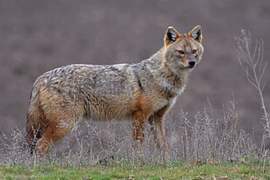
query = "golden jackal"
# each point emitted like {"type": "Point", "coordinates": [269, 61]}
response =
{"type": "Point", "coordinates": [142, 92]}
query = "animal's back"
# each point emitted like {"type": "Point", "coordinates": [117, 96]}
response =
{"type": "Point", "coordinates": [98, 92]}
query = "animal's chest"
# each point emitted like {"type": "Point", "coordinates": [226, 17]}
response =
{"type": "Point", "coordinates": [164, 102]}
{"type": "Point", "coordinates": [167, 98]}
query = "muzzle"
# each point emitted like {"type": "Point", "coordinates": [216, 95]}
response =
{"type": "Point", "coordinates": [191, 63]}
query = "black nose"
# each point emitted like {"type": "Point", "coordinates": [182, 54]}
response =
{"type": "Point", "coordinates": [191, 63]}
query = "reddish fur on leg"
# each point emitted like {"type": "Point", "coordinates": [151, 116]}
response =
{"type": "Point", "coordinates": [55, 131]}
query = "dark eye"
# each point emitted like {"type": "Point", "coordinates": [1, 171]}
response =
{"type": "Point", "coordinates": [181, 52]}
{"type": "Point", "coordinates": [193, 51]}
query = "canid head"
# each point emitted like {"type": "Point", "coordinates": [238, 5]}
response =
{"type": "Point", "coordinates": [183, 51]}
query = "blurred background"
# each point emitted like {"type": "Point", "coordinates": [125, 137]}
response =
{"type": "Point", "coordinates": [37, 36]}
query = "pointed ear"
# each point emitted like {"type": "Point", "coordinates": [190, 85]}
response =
{"type": "Point", "coordinates": [196, 33]}
{"type": "Point", "coordinates": [171, 35]}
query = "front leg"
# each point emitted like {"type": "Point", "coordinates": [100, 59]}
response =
{"type": "Point", "coordinates": [138, 122]}
{"type": "Point", "coordinates": [157, 128]}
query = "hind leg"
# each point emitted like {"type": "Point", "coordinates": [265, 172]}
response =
{"type": "Point", "coordinates": [34, 133]}
{"type": "Point", "coordinates": [55, 131]}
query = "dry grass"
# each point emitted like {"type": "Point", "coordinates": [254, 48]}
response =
{"type": "Point", "coordinates": [206, 137]}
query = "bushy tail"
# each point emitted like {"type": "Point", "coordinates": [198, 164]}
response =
{"type": "Point", "coordinates": [35, 125]}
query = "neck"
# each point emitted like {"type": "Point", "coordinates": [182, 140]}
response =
{"type": "Point", "coordinates": [169, 77]}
